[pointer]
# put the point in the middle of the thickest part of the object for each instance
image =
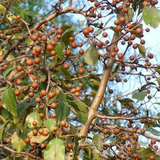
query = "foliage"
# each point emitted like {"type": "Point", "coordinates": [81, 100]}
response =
{"type": "Point", "coordinates": [67, 89]}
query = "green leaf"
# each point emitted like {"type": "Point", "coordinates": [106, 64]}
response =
{"type": "Point", "coordinates": [55, 150]}
{"type": "Point", "coordinates": [153, 131]}
{"type": "Point", "coordinates": [98, 140]}
{"type": "Point", "coordinates": [144, 86]}
{"type": "Point", "coordinates": [9, 101]}
{"type": "Point", "coordinates": [90, 56]}
{"type": "Point", "coordinates": [145, 152]}
{"type": "Point", "coordinates": [50, 124]}
{"type": "Point", "coordinates": [63, 109]}
{"type": "Point", "coordinates": [129, 15]}
{"type": "Point", "coordinates": [34, 116]}
{"type": "Point", "coordinates": [151, 16]}
{"type": "Point", "coordinates": [2, 129]}
{"type": "Point", "coordinates": [142, 50]}
{"type": "Point", "coordinates": [39, 138]}
{"type": "Point", "coordinates": [17, 143]}
{"type": "Point", "coordinates": [22, 117]}
{"type": "Point", "coordinates": [66, 35]}
{"type": "Point", "coordinates": [59, 49]}
{"type": "Point", "coordinates": [81, 109]}
{"type": "Point", "coordinates": [139, 95]}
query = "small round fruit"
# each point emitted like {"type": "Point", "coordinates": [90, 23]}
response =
{"type": "Point", "coordinates": [34, 37]}
{"type": "Point", "coordinates": [54, 105]}
{"type": "Point", "coordinates": [51, 94]}
{"type": "Point", "coordinates": [85, 31]}
{"type": "Point", "coordinates": [152, 157]}
{"type": "Point", "coordinates": [81, 71]}
{"type": "Point", "coordinates": [116, 131]}
{"type": "Point", "coordinates": [69, 145]}
{"type": "Point", "coordinates": [35, 132]}
{"type": "Point", "coordinates": [63, 123]}
{"type": "Point", "coordinates": [45, 132]}
{"type": "Point", "coordinates": [29, 62]}
{"type": "Point", "coordinates": [27, 140]}
{"type": "Point", "coordinates": [17, 92]}
{"type": "Point", "coordinates": [105, 131]}
{"type": "Point", "coordinates": [66, 66]}
{"type": "Point", "coordinates": [34, 123]}
{"type": "Point", "coordinates": [43, 93]}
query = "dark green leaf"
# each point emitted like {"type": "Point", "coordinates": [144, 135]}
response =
{"type": "Point", "coordinates": [153, 131]}
{"type": "Point", "coordinates": [81, 109]}
{"type": "Point", "coordinates": [55, 150]}
{"type": "Point", "coordinates": [139, 95]}
{"type": "Point", "coordinates": [59, 49]}
{"type": "Point", "coordinates": [151, 16]}
{"type": "Point", "coordinates": [90, 56]}
{"type": "Point", "coordinates": [66, 35]}
{"type": "Point", "coordinates": [9, 101]}
{"type": "Point", "coordinates": [63, 109]}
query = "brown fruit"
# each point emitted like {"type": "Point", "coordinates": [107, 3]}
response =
{"type": "Point", "coordinates": [51, 94]}
{"type": "Point", "coordinates": [43, 93]}
{"type": "Point", "coordinates": [29, 62]}
{"type": "Point", "coordinates": [152, 157]}
{"type": "Point", "coordinates": [66, 66]}
{"type": "Point", "coordinates": [41, 115]}
{"type": "Point", "coordinates": [85, 31]}
{"type": "Point", "coordinates": [34, 123]}
{"type": "Point", "coordinates": [49, 47]}
{"type": "Point", "coordinates": [116, 131]}
{"type": "Point", "coordinates": [45, 132]}
{"type": "Point", "coordinates": [34, 37]}
{"type": "Point", "coordinates": [35, 132]}
{"type": "Point", "coordinates": [69, 145]}
{"type": "Point", "coordinates": [63, 123]}
{"type": "Point", "coordinates": [17, 92]}
{"type": "Point", "coordinates": [105, 131]}
{"type": "Point", "coordinates": [54, 105]}
{"type": "Point", "coordinates": [27, 140]}
{"type": "Point", "coordinates": [81, 71]}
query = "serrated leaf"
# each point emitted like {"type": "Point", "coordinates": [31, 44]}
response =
{"type": "Point", "coordinates": [59, 49]}
{"type": "Point", "coordinates": [142, 50]}
{"type": "Point", "coordinates": [17, 143]}
{"type": "Point", "coordinates": [90, 56]}
{"type": "Point", "coordinates": [139, 96]}
{"type": "Point", "coordinates": [9, 101]}
{"type": "Point", "coordinates": [151, 16]}
{"type": "Point", "coordinates": [55, 150]}
{"type": "Point", "coordinates": [50, 124]}
{"type": "Point", "coordinates": [98, 140]}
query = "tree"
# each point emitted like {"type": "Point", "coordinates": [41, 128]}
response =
{"type": "Point", "coordinates": [60, 96]}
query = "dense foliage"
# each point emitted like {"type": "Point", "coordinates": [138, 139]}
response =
{"type": "Point", "coordinates": [78, 88]}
